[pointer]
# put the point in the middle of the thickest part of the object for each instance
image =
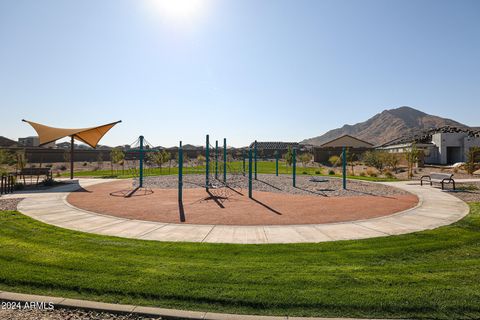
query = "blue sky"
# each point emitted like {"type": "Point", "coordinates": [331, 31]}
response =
{"type": "Point", "coordinates": [245, 69]}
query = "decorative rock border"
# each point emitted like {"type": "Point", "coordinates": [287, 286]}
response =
{"type": "Point", "coordinates": [146, 311]}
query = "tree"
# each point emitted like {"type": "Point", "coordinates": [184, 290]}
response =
{"type": "Point", "coordinates": [391, 160]}
{"type": "Point", "coordinates": [305, 158]}
{"type": "Point", "coordinates": [350, 158]}
{"type": "Point", "coordinates": [116, 156]}
{"type": "Point", "coordinates": [159, 158]}
{"type": "Point", "coordinates": [374, 159]}
{"type": "Point", "coordinates": [473, 159]}
{"type": "Point", "coordinates": [21, 160]}
{"type": "Point", "coordinates": [412, 155]}
{"type": "Point", "coordinates": [200, 160]}
{"type": "Point", "coordinates": [6, 159]}
{"type": "Point", "coordinates": [288, 157]}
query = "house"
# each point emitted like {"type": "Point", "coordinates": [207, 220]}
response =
{"type": "Point", "coordinates": [334, 148]}
{"type": "Point", "coordinates": [267, 149]}
{"type": "Point", "coordinates": [444, 145]}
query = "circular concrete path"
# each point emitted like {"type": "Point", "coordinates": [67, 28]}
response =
{"type": "Point", "coordinates": [435, 208]}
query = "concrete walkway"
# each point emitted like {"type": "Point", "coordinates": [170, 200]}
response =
{"type": "Point", "coordinates": [435, 208]}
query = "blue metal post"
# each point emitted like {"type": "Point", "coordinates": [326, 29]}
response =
{"type": "Point", "coordinates": [344, 167]}
{"type": "Point", "coordinates": [250, 173]}
{"type": "Point", "coordinates": [224, 160]}
{"type": "Point", "coordinates": [276, 162]}
{"type": "Point", "coordinates": [255, 152]}
{"type": "Point", "coordinates": [141, 162]}
{"type": "Point", "coordinates": [207, 156]}
{"type": "Point", "coordinates": [180, 173]}
{"type": "Point", "coordinates": [294, 164]}
{"type": "Point", "coordinates": [216, 159]}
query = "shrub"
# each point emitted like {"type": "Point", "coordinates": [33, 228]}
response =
{"type": "Point", "coordinates": [63, 167]}
{"type": "Point", "coordinates": [304, 172]}
{"type": "Point", "coordinates": [375, 159]}
{"type": "Point", "coordinates": [371, 173]}
{"type": "Point", "coordinates": [334, 160]}
{"type": "Point", "coordinates": [49, 182]}
{"type": "Point", "coordinates": [331, 172]}
{"type": "Point", "coordinates": [19, 186]}
{"type": "Point", "coordinates": [388, 174]}
{"type": "Point", "coordinates": [362, 174]}
{"type": "Point", "coordinates": [84, 164]}
{"type": "Point", "coordinates": [318, 172]}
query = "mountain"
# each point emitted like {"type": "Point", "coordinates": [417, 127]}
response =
{"type": "Point", "coordinates": [386, 126]}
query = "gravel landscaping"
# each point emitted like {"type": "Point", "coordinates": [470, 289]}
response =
{"type": "Point", "coordinates": [67, 314]}
{"type": "Point", "coordinates": [468, 192]}
{"type": "Point", "coordinates": [324, 186]}
{"type": "Point", "coordinates": [9, 204]}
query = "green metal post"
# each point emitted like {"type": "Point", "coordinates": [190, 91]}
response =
{"type": "Point", "coordinates": [216, 159]}
{"type": "Point", "coordinates": [276, 162]}
{"type": "Point", "coordinates": [141, 162]}
{"type": "Point", "coordinates": [207, 162]}
{"type": "Point", "coordinates": [255, 152]}
{"type": "Point", "coordinates": [243, 156]}
{"type": "Point", "coordinates": [294, 164]}
{"type": "Point", "coordinates": [180, 173]}
{"type": "Point", "coordinates": [250, 173]}
{"type": "Point", "coordinates": [224, 160]}
{"type": "Point", "coordinates": [344, 167]}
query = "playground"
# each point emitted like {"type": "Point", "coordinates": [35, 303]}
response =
{"type": "Point", "coordinates": [221, 194]}
{"type": "Point", "coordinates": [273, 207]}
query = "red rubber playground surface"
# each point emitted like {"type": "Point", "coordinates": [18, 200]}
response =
{"type": "Point", "coordinates": [266, 208]}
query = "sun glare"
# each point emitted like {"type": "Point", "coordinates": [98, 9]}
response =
{"type": "Point", "coordinates": [180, 9]}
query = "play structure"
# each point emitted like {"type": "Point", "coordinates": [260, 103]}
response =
{"type": "Point", "coordinates": [221, 178]}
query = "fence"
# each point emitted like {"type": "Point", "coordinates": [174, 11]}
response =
{"type": "Point", "coordinates": [7, 183]}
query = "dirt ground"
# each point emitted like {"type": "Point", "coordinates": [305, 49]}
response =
{"type": "Point", "coordinates": [233, 207]}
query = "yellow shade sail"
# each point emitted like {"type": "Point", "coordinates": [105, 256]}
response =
{"type": "Point", "coordinates": [90, 136]}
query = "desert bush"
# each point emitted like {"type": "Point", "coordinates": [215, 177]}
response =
{"type": "Point", "coordinates": [472, 160]}
{"type": "Point", "coordinates": [63, 167]}
{"type": "Point", "coordinates": [374, 159]}
{"type": "Point", "coordinates": [388, 174]}
{"type": "Point", "coordinates": [371, 173]}
{"type": "Point", "coordinates": [305, 158]}
{"type": "Point", "coordinates": [362, 174]}
{"type": "Point", "coordinates": [334, 160]}
{"type": "Point", "coordinates": [331, 172]}
{"type": "Point", "coordinates": [49, 182]}
{"type": "Point", "coordinates": [318, 172]}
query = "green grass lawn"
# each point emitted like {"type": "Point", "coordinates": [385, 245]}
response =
{"type": "Point", "coordinates": [430, 274]}
{"type": "Point", "coordinates": [267, 167]}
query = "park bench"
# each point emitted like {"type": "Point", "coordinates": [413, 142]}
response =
{"type": "Point", "coordinates": [34, 172]}
{"type": "Point", "coordinates": [441, 178]}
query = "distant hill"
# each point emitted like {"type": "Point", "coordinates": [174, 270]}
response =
{"type": "Point", "coordinates": [5, 142]}
{"type": "Point", "coordinates": [387, 125]}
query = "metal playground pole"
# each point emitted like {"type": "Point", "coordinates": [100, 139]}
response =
{"type": "Point", "coordinates": [141, 163]}
{"type": "Point", "coordinates": [250, 173]}
{"type": "Point", "coordinates": [294, 163]}
{"type": "Point", "coordinates": [216, 159]}
{"type": "Point", "coordinates": [224, 160]}
{"type": "Point", "coordinates": [255, 151]}
{"type": "Point", "coordinates": [344, 167]}
{"type": "Point", "coordinates": [180, 173]}
{"type": "Point", "coordinates": [207, 156]}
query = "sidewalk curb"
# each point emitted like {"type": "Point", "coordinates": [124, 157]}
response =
{"type": "Point", "coordinates": [147, 311]}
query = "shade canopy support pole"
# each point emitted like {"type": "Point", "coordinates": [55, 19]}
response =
{"type": "Point", "coordinates": [72, 146]}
